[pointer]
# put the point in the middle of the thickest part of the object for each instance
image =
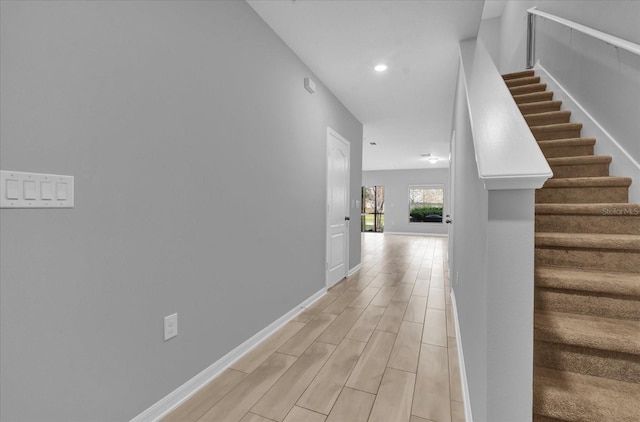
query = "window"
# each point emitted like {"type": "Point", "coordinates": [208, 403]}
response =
{"type": "Point", "coordinates": [372, 209]}
{"type": "Point", "coordinates": [425, 204]}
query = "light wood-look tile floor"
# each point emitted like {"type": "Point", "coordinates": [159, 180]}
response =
{"type": "Point", "coordinates": [379, 347]}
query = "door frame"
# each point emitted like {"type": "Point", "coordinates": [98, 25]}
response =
{"type": "Point", "coordinates": [332, 133]}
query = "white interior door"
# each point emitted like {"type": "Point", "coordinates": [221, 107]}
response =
{"type": "Point", "coordinates": [338, 161]}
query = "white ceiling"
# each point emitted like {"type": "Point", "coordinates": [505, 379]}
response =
{"type": "Point", "coordinates": [406, 110]}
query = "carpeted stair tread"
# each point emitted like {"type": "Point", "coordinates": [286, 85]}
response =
{"type": "Point", "coordinates": [525, 89]}
{"type": "Point", "coordinates": [567, 396]}
{"type": "Point", "coordinates": [556, 143]}
{"type": "Point", "coordinates": [590, 209]}
{"type": "Point", "coordinates": [615, 283]}
{"type": "Point", "coordinates": [527, 80]}
{"type": "Point", "coordinates": [548, 117]}
{"type": "Point", "coordinates": [533, 97]}
{"type": "Point", "coordinates": [540, 106]}
{"type": "Point", "coordinates": [582, 166]}
{"type": "Point", "coordinates": [518, 75]}
{"type": "Point", "coordinates": [556, 131]}
{"type": "Point", "coordinates": [597, 332]}
{"type": "Point", "coordinates": [621, 242]}
{"type": "Point", "coordinates": [577, 182]}
{"type": "Point", "coordinates": [571, 147]}
{"type": "Point", "coordinates": [575, 161]}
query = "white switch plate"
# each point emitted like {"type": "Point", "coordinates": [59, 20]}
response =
{"type": "Point", "coordinates": [170, 326]}
{"type": "Point", "coordinates": [57, 193]}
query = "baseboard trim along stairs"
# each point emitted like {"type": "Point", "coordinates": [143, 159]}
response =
{"type": "Point", "coordinates": [587, 272]}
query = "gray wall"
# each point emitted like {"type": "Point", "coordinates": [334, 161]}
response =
{"type": "Point", "coordinates": [603, 79]}
{"type": "Point", "coordinates": [490, 35]}
{"type": "Point", "coordinates": [468, 256]}
{"type": "Point", "coordinates": [200, 189]}
{"type": "Point", "coordinates": [396, 190]}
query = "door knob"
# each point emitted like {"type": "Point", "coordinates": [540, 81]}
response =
{"type": "Point", "coordinates": [347, 218]}
{"type": "Point", "coordinates": [448, 221]}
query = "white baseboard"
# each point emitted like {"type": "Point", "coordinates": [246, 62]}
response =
{"type": "Point", "coordinates": [188, 389]}
{"type": "Point", "coordinates": [418, 234]}
{"type": "Point", "coordinates": [463, 371]}
{"type": "Point", "coordinates": [623, 163]}
{"type": "Point", "coordinates": [354, 270]}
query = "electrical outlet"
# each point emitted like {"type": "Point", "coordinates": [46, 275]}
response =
{"type": "Point", "coordinates": [170, 326]}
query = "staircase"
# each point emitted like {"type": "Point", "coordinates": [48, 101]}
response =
{"type": "Point", "coordinates": [587, 273]}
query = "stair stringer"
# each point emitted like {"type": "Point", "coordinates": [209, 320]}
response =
{"type": "Point", "coordinates": [623, 163]}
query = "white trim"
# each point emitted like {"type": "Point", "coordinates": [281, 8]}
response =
{"type": "Point", "coordinates": [463, 372]}
{"type": "Point", "coordinates": [174, 399]}
{"type": "Point", "coordinates": [507, 155]}
{"type": "Point", "coordinates": [606, 143]}
{"type": "Point", "coordinates": [418, 234]}
{"type": "Point", "coordinates": [602, 36]}
{"type": "Point", "coordinates": [354, 270]}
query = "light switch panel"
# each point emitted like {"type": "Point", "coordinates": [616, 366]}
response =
{"type": "Point", "coordinates": [29, 189]}
{"type": "Point", "coordinates": [12, 188]}
{"type": "Point", "coordinates": [35, 190]}
{"type": "Point", "coordinates": [46, 191]}
{"type": "Point", "coordinates": [61, 191]}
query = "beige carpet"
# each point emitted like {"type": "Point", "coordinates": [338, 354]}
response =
{"type": "Point", "coordinates": [587, 293]}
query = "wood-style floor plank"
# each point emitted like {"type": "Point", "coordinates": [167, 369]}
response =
{"type": "Point", "coordinates": [363, 328]}
{"type": "Point", "coordinates": [405, 352]}
{"type": "Point", "coordinates": [298, 414]}
{"type": "Point", "coordinates": [341, 303]}
{"type": "Point", "coordinates": [416, 309]}
{"type": "Point", "coordinates": [277, 403]}
{"type": "Point", "coordinates": [336, 331]}
{"type": "Point", "coordinates": [241, 399]}
{"type": "Point", "coordinates": [393, 402]}
{"type": "Point", "coordinates": [436, 298]}
{"type": "Point", "coordinates": [198, 404]}
{"type": "Point", "coordinates": [321, 395]}
{"type": "Point", "coordinates": [431, 398]}
{"type": "Point", "coordinates": [392, 317]}
{"type": "Point", "coordinates": [352, 406]}
{"type": "Point", "coordinates": [384, 296]}
{"type": "Point", "coordinates": [454, 370]}
{"type": "Point", "coordinates": [249, 362]}
{"type": "Point", "coordinates": [307, 335]}
{"type": "Point", "coordinates": [252, 417]}
{"type": "Point", "coordinates": [421, 288]}
{"type": "Point", "coordinates": [435, 328]}
{"type": "Point", "coordinates": [315, 308]}
{"type": "Point", "coordinates": [365, 297]}
{"type": "Point", "coordinates": [367, 373]}
{"type": "Point", "coordinates": [403, 293]}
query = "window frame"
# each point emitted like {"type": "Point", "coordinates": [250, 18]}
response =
{"type": "Point", "coordinates": [425, 186]}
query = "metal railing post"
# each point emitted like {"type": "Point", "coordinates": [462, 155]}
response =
{"type": "Point", "coordinates": [531, 39]}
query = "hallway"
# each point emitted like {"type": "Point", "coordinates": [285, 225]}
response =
{"type": "Point", "coordinates": [380, 346]}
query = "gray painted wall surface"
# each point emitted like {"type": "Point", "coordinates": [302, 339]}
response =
{"type": "Point", "coordinates": [200, 189]}
{"type": "Point", "coordinates": [603, 79]}
{"type": "Point", "coordinates": [396, 190]}
{"type": "Point", "coordinates": [468, 258]}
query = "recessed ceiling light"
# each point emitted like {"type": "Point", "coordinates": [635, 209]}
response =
{"type": "Point", "coordinates": [380, 67]}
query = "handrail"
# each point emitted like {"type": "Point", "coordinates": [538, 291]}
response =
{"type": "Point", "coordinates": [507, 154]}
{"type": "Point", "coordinates": [603, 36]}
